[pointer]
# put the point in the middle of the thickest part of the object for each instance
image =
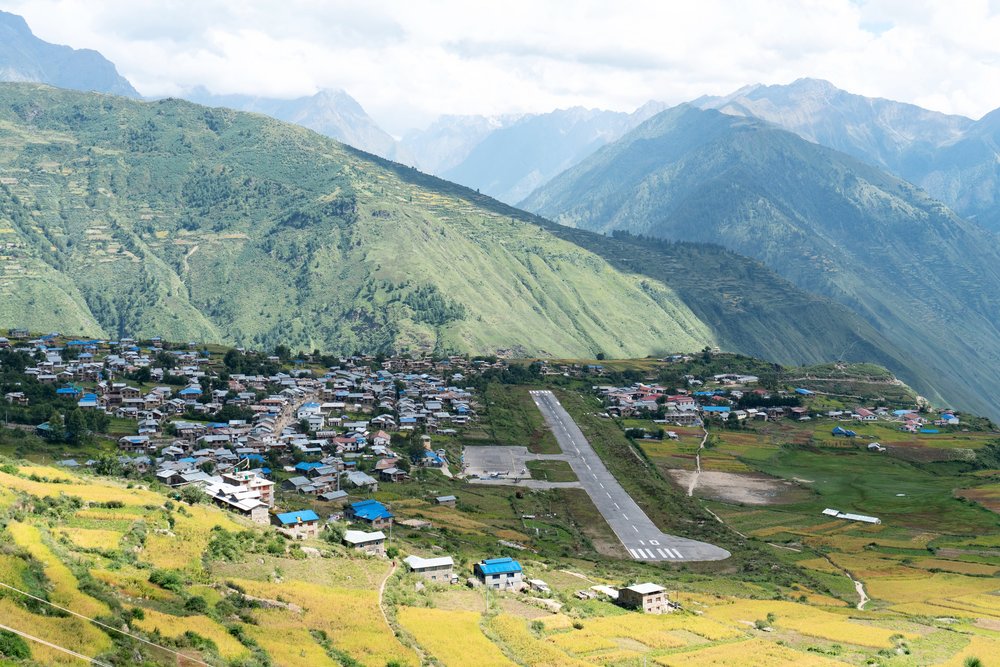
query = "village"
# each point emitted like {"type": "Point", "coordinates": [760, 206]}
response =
{"type": "Point", "coordinates": [441, 476]}
{"type": "Point", "coordinates": [323, 439]}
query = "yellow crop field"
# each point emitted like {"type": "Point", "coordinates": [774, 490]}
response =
{"type": "Point", "coordinates": [92, 538]}
{"type": "Point", "coordinates": [45, 471]}
{"type": "Point", "coordinates": [867, 566]}
{"type": "Point", "coordinates": [350, 617]}
{"type": "Point", "coordinates": [974, 606]}
{"type": "Point", "coordinates": [752, 652]}
{"type": "Point", "coordinates": [984, 648]}
{"type": "Point", "coordinates": [513, 633]}
{"type": "Point", "coordinates": [11, 568]}
{"type": "Point", "coordinates": [190, 536]}
{"type": "Point", "coordinates": [71, 632]}
{"type": "Point", "coordinates": [175, 626]}
{"type": "Point", "coordinates": [89, 491]}
{"type": "Point", "coordinates": [582, 642]}
{"type": "Point", "coordinates": [958, 566]}
{"type": "Point", "coordinates": [436, 630]}
{"type": "Point", "coordinates": [291, 647]}
{"type": "Point", "coordinates": [934, 586]}
{"type": "Point", "coordinates": [651, 630]}
{"type": "Point", "coordinates": [557, 622]}
{"type": "Point", "coordinates": [820, 565]}
{"type": "Point", "coordinates": [808, 621]}
{"type": "Point", "coordinates": [64, 584]}
{"type": "Point", "coordinates": [599, 633]}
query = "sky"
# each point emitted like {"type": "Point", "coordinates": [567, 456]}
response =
{"type": "Point", "coordinates": [407, 62]}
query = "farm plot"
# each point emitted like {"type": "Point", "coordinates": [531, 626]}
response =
{"type": "Point", "coordinates": [436, 629]}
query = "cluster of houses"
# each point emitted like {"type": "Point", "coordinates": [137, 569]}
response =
{"type": "Point", "coordinates": [338, 425]}
{"type": "Point", "coordinates": [694, 405]}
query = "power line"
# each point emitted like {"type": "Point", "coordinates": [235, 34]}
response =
{"type": "Point", "coordinates": [81, 656]}
{"type": "Point", "coordinates": [106, 626]}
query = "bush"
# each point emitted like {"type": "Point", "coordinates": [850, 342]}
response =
{"type": "Point", "coordinates": [169, 579]}
{"type": "Point", "coordinates": [196, 605]}
{"type": "Point", "coordinates": [12, 646]}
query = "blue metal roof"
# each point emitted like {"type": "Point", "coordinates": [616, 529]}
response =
{"type": "Point", "coordinates": [370, 510]}
{"type": "Point", "coordinates": [305, 467]}
{"type": "Point", "coordinates": [286, 518]}
{"type": "Point", "coordinates": [499, 566]}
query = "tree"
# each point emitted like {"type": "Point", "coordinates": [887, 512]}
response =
{"type": "Point", "coordinates": [76, 427]}
{"type": "Point", "coordinates": [191, 494]}
{"type": "Point", "coordinates": [973, 661]}
{"type": "Point", "coordinates": [57, 429]}
{"type": "Point", "coordinates": [108, 464]}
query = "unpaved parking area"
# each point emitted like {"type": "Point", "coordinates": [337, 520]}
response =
{"type": "Point", "coordinates": [741, 488]}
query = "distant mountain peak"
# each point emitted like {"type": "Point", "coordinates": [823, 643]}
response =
{"type": "Point", "coordinates": [14, 22]}
{"type": "Point", "coordinates": [25, 57]}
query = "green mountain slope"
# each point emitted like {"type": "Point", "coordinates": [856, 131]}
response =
{"type": "Point", "coordinates": [166, 218]}
{"type": "Point", "coordinates": [925, 279]}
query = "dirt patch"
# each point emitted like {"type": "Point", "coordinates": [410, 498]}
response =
{"type": "Point", "coordinates": [988, 624]}
{"type": "Point", "coordinates": [742, 488]}
{"type": "Point", "coordinates": [518, 608]}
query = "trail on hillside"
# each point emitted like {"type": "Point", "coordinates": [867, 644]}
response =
{"type": "Point", "coordinates": [697, 461]}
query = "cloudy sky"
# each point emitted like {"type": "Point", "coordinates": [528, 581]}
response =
{"type": "Point", "coordinates": [407, 62]}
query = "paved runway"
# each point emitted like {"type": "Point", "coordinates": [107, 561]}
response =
{"type": "Point", "coordinates": [641, 537]}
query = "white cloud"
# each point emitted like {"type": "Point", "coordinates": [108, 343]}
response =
{"type": "Point", "coordinates": [407, 62]}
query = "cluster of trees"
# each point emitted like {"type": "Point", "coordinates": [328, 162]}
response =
{"type": "Point", "coordinates": [77, 426]}
{"type": "Point", "coordinates": [251, 363]}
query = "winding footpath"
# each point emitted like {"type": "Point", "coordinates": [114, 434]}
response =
{"type": "Point", "coordinates": [697, 462]}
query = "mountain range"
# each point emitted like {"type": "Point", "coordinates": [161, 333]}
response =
{"type": "Point", "coordinates": [925, 278]}
{"type": "Point", "coordinates": [954, 158]}
{"type": "Point", "coordinates": [168, 218]}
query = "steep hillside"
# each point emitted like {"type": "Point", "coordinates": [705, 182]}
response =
{"type": "Point", "coordinates": [952, 157]}
{"type": "Point", "coordinates": [24, 57]}
{"type": "Point", "coordinates": [512, 161]}
{"type": "Point", "coordinates": [925, 279]}
{"type": "Point", "coordinates": [333, 113]}
{"type": "Point", "coordinates": [120, 217]}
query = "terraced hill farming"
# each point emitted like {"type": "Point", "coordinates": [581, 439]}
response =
{"type": "Point", "coordinates": [204, 583]}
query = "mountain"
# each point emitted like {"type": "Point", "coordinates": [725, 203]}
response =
{"type": "Point", "coordinates": [167, 218]}
{"type": "Point", "coordinates": [450, 139]}
{"type": "Point", "coordinates": [513, 160]}
{"type": "Point", "coordinates": [333, 113]}
{"type": "Point", "coordinates": [953, 158]}
{"type": "Point", "coordinates": [922, 277]}
{"type": "Point", "coordinates": [24, 57]}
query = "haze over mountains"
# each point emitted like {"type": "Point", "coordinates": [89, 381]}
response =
{"type": "Point", "coordinates": [333, 113]}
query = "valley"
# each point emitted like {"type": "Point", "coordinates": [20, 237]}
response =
{"type": "Point", "coordinates": [201, 583]}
